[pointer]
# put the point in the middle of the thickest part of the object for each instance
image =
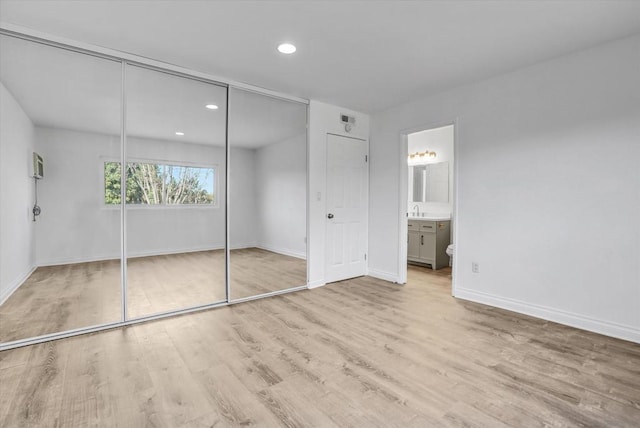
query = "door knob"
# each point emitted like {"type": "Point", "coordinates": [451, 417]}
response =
{"type": "Point", "coordinates": [329, 215]}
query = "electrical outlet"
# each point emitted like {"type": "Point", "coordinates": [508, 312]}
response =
{"type": "Point", "coordinates": [475, 267]}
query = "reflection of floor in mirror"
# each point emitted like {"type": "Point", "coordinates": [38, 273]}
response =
{"type": "Point", "coordinates": [63, 297]}
{"type": "Point", "coordinates": [255, 271]}
{"type": "Point", "coordinates": [59, 298]}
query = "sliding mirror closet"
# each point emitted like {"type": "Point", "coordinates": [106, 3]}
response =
{"type": "Point", "coordinates": [61, 270]}
{"type": "Point", "coordinates": [175, 210]}
{"type": "Point", "coordinates": [268, 188]}
{"type": "Point", "coordinates": [130, 192]}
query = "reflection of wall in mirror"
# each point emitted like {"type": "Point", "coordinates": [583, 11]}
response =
{"type": "Point", "coordinates": [243, 213]}
{"type": "Point", "coordinates": [281, 189]}
{"type": "Point", "coordinates": [77, 226]}
{"type": "Point", "coordinates": [17, 254]}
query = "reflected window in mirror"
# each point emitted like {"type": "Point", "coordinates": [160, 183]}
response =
{"type": "Point", "coordinates": [152, 183]}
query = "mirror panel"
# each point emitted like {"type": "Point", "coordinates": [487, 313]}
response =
{"type": "Point", "coordinates": [175, 202]}
{"type": "Point", "coordinates": [429, 183]}
{"type": "Point", "coordinates": [61, 120]}
{"type": "Point", "coordinates": [60, 270]}
{"type": "Point", "coordinates": [268, 194]}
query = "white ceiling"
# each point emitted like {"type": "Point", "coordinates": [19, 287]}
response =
{"type": "Point", "coordinates": [365, 55]}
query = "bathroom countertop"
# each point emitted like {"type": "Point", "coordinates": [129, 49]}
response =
{"type": "Point", "coordinates": [430, 217]}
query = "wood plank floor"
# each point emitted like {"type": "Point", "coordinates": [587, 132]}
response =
{"type": "Point", "coordinates": [59, 298]}
{"type": "Point", "coordinates": [360, 353]}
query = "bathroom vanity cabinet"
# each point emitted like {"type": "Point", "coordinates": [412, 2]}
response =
{"type": "Point", "coordinates": [428, 241]}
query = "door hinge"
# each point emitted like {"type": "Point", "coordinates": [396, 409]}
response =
{"type": "Point", "coordinates": [365, 256]}
{"type": "Point", "coordinates": [366, 158]}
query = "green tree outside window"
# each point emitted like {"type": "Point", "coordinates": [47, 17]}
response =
{"type": "Point", "coordinates": [159, 184]}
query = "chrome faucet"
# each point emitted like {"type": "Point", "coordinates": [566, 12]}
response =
{"type": "Point", "coordinates": [417, 210]}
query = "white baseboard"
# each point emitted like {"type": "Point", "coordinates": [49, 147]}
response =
{"type": "Point", "coordinates": [284, 251]}
{"type": "Point", "coordinates": [164, 252]}
{"type": "Point", "coordinates": [15, 284]}
{"type": "Point", "coordinates": [386, 276]}
{"type": "Point", "coordinates": [98, 258]}
{"type": "Point", "coordinates": [103, 257]}
{"type": "Point", "coordinates": [242, 246]}
{"type": "Point", "coordinates": [71, 260]}
{"type": "Point", "coordinates": [316, 284]}
{"type": "Point", "coordinates": [562, 317]}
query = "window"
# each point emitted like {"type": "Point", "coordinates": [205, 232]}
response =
{"type": "Point", "coordinates": [161, 184]}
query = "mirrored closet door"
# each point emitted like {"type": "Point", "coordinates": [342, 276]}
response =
{"type": "Point", "coordinates": [175, 197]}
{"type": "Point", "coordinates": [267, 194]}
{"type": "Point", "coordinates": [129, 192]}
{"type": "Point", "coordinates": [59, 262]}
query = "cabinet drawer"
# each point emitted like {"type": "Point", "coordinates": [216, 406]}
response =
{"type": "Point", "coordinates": [414, 224]}
{"type": "Point", "coordinates": [428, 226]}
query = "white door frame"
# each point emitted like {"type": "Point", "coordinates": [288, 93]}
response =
{"type": "Point", "coordinates": [403, 190]}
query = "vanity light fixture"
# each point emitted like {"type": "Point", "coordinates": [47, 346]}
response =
{"type": "Point", "coordinates": [212, 107]}
{"type": "Point", "coordinates": [286, 48]}
{"type": "Point", "coordinates": [180, 133]}
{"type": "Point", "coordinates": [419, 157]}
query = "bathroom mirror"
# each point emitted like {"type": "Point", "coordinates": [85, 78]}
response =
{"type": "Point", "coordinates": [429, 183]}
{"type": "Point", "coordinates": [267, 220]}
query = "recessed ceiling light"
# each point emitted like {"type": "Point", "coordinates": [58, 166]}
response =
{"type": "Point", "coordinates": [212, 107]}
{"type": "Point", "coordinates": [179, 133]}
{"type": "Point", "coordinates": [286, 48]}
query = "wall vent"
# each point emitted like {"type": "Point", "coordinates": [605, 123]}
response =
{"type": "Point", "coordinates": [38, 166]}
{"type": "Point", "coordinates": [346, 119]}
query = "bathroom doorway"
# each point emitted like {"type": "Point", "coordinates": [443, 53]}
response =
{"type": "Point", "coordinates": [427, 200]}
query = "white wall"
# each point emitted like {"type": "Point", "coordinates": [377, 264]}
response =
{"type": "Point", "coordinates": [75, 225]}
{"type": "Point", "coordinates": [281, 196]}
{"type": "Point", "coordinates": [324, 119]}
{"type": "Point", "coordinates": [439, 140]}
{"type": "Point", "coordinates": [548, 188]}
{"type": "Point", "coordinates": [17, 258]}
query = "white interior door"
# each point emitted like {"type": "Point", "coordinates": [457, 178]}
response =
{"type": "Point", "coordinates": [347, 183]}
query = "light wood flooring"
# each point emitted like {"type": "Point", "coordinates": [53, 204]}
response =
{"type": "Point", "coordinates": [359, 353]}
{"type": "Point", "coordinates": [65, 297]}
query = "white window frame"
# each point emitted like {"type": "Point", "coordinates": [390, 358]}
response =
{"type": "Point", "coordinates": [216, 184]}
